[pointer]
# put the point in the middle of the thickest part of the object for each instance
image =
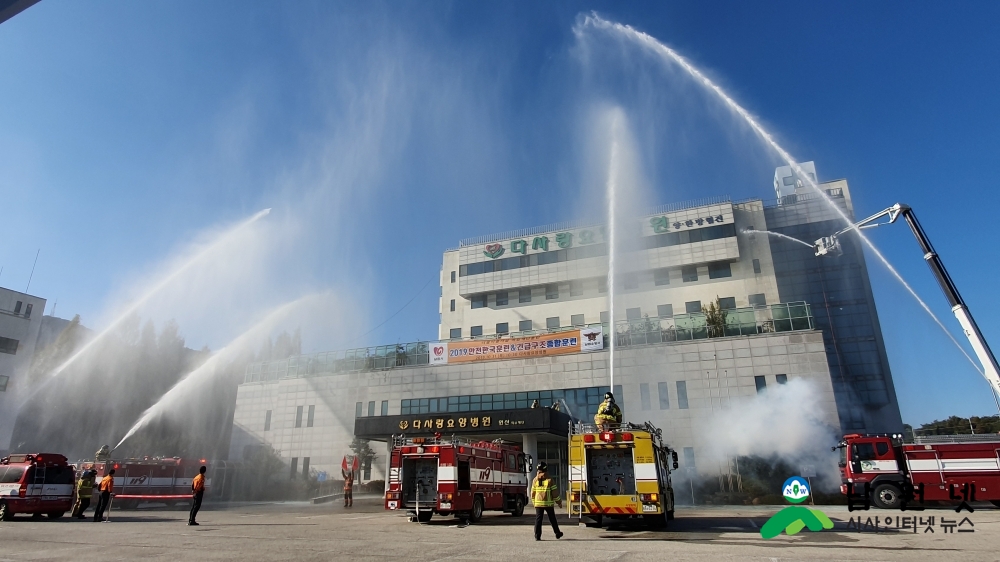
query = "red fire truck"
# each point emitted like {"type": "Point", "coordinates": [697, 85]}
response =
{"type": "Point", "coordinates": [39, 483]}
{"type": "Point", "coordinates": [949, 468]}
{"type": "Point", "coordinates": [453, 476]}
{"type": "Point", "coordinates": [152, 479]}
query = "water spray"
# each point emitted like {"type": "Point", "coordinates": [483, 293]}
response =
{"type": "Point", "coordinates": [776, 235]}
{"type": "Point", "coordinates": [612, 180]}
{"type": "Point", "coordinates": [191, 380]}
{"type": "Point", "coordinates": [226, 237]}
{"type": "Point", "coordinates": [650, 42]}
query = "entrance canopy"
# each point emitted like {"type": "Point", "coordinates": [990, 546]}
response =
{"type": "Point", "coordinates": [493, 422]}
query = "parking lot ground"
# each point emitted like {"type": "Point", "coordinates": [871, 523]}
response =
{"type": "Point", "coordinates": [306, 532]}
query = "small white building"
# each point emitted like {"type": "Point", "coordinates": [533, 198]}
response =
{"type": "Point", "coordinates": [20, 322]}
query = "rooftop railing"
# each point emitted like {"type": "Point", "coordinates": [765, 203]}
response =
{"type": "Point", "coordinates": [784, 317]}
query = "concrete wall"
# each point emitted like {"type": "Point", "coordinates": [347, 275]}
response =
{"type": "Point", "coordinates": [718, 373]}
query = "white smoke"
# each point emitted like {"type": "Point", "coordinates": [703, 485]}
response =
{"type": "Point", "coordinates": [789, 422]}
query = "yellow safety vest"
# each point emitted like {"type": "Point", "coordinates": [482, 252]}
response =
{"type": "Point", "coordinates": [543, 492]}
{"type": "Point", "coordinates": [85, 488]}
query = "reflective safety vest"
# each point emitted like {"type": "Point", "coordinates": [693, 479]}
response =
{"type": "Point", "coordinates": [543, 492]}
{"type": "Point", "coordinates": [349, 483]}
{"type": "Point", "coordinates": [608, 412]}
{"type": "Point", "coordinates": [85, 488]}
{"type": "Point", "coordinates": [107, 484]}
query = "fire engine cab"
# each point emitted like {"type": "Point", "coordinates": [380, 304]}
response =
{"type": "Point", "coordinates": [151, 479]}
{"type": "Point", "coordinates": [39, 483]}
{"type": "Point", "coordinates": [949, 468]}
{"type": "Point", "coordinates": [446, 476]}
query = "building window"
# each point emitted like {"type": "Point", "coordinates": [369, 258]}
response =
{"type": "Point", "coordinates": [524, 325]}
{"type": "Point", "coordinates": [367, 470]}
{"type": "Point", "coordinates": [761, 384]}
{"type": "Point", "coordinates": [311, 416]}
{"type": "Point", "coordinates": [692, 307]}
{"type": "Point", "coordinates": [575, 288]}
{"type": "Point", "coordinates": [757, 300]}
{"type": "Point", "coordinates": [719, 269]}
{"type": "Point", "coordinates": [502, 328]}
{"type": "Point", "coordinates": [682, 395]}
{"type": "Point", "coordinates": [605, 317]}
{"type": "Point", "coordinates": [17, 307]}
{"type": "Point", "coordinates": [476, 331]}
{"type": "Point", "coordinates": [502, 298]}
{"type": "Point", "coordinates": [577, 320]}
{"type": "Point", "coordinates": [630, 281]}
{"type": "Point", "coordinates": [385, 408]}
{"type": "Point", "coordinates": [689, 457]}
{"type": "Point", "coordinates": [727, 303]}
{"type": "Point", "coordinates": [479, 301]}
{"type": "Point", "coordinates": [8, 345]}
{"type": "Point", "coordinates": [664, 391]}
{"type": "Point", "coordinates": [552, 322]}
{"type": "Point", "coordinates": [298, 416]}
{"type": "Point", "coordinates": [633, 313]}
{"type": "Point", "coordinates": [756, 265]}
{"type": "Point", "coordinates": [452, 276]}
{"type": "Point", "coordinates": [305, 468]}
{"type": "Point", "coordinates": [551, 292]}
{"type": "Point", "coordinates": [455, 333]}
{"type": "Point", "coordinates": [689, 273]}
{"type": "Point", "coordinates": [357, 409]}
{"type": "Point", "coordinates": [524, 295]}
{"type": "Point", "coordinates": [644, 396]}
{"type": "Point", "coordinates": [294, 467]}
{"type": "Point", "coordinates": [661, 276]}
{"type": "Point", "coordinates": [453, 305]}
{"type": "Point", "coordinates": [27, 310]}
{"type": "Point", "coordinates": [602, 285]}
{"type": "Point", "coordinates": [781, 379]}
{"type": "Point", "coordinates": [665, 310]}
{"type": "Point", "coordinates": [371, 409]}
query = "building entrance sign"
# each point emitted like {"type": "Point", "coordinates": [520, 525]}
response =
{"type": "Point", "coordinates": [541, 345]}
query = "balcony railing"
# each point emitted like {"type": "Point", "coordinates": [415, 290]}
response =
{"type": "Point", "coordinates": [784, 317]}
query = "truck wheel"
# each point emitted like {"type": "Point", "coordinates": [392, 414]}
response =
{"type": "Point", "coordinates": [518, 507]}
{"type": "Point", "coordinates": [56, 514]}
{"type": "Point", "coordinates": [477, 510]}
{"type": "Point", "coordinates": [5, 513]}
{"type": "Point", "coordinates": [424, 516]}
{"type": "Point", "coordinates": [887, 496]}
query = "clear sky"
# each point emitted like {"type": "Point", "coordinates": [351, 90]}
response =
{"type": "Point", "coordinates": [382, 134]}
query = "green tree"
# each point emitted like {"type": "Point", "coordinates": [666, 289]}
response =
{"type": "Point", "coordinates": [715, 318]}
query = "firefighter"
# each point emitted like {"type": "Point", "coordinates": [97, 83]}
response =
{"type": "Point", "coordinates": [544, 494]}
{"type": "Point", "coordinates": [349, 488]}
{"type": "Point", "coordinates": [84, 490]}
{"type": "Point", "coordinates": [197, 493]}
{"type": "Point", "coordinates": [608, 413]}
{"type": "Point", "coordinates": [106, 488]}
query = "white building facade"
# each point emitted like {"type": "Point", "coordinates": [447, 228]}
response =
{"type": "Point", "coordinates": [20, 322]}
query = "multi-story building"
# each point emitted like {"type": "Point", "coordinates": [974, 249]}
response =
{"type": "Point", "coordinates": [20, 322]}
{"type": "Point", "coordinates": [709, 311]}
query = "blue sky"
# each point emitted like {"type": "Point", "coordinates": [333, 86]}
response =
{"type": "Point", "coordinates": [387, 132]}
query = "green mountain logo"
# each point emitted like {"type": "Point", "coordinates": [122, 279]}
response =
{"type": "Point", "coordinates": [794, 518]}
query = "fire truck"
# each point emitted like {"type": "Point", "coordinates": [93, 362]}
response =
{"type": "Point", "coordinates": [620, 474]}
{"type": "Point", "coordinates": [39, 483]}
{"type": "Point", "coordinates": [948, 468]}
{"type": "Point", "coordinates": [152, 479]}
{"type": "Point", "coordinates": [446, 476]}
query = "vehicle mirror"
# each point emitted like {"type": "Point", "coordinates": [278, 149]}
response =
{"type": "Point", "coordinates": [676, 465]}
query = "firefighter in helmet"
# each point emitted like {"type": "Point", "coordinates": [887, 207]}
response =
{"type": "Point", "coordinates": [608, 413]}
{"type": "Point", "coordinates": [544, 496]}
{"type": "Point", "coordinates": [84, 491]}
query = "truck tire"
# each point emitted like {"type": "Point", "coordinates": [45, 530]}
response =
{"type": "Point", "coordinates": [887, 496]}
{"type": "Point", "coordinates": [518, 507]}
{"type": "Point", "coordinates": [424, 516]}
{"type": "Point", "coordinates": [5, 513]}
{"type": "Point", "coordinates": [477, 510]}
{"type": "Point", "coordinates": [56, 514]}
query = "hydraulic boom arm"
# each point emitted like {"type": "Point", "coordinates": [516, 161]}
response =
{"type": "Point", "coordinates": [831, 245]}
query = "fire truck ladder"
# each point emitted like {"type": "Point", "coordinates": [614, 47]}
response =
{"type": "Point", "coordinates": [38, 481]}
